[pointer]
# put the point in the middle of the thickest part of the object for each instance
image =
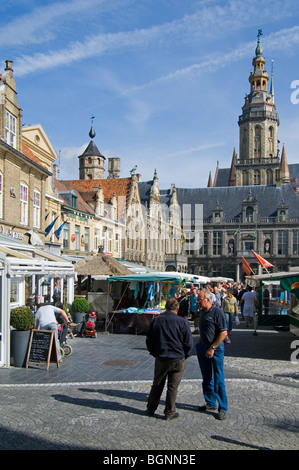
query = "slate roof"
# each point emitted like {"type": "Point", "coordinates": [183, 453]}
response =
{"type": "Point", "coordinates": [230, 199]}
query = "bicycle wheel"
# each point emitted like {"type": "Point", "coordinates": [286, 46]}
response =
{"type": "Point", "coordinates": [67, 349]}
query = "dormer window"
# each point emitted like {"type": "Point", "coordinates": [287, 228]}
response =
{"type": "Point", "coordinates": [74, 201]}
{"type": "Point", "coordinates": [217, 217]}
{"type": "Point", "coordinates": [282, 216]}
{"type": "Point", "coordinates": [249, 214]}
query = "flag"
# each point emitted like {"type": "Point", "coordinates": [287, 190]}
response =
{"type": "Point", "coordinates": [265, 264]}
{"type": "Point", "coordinates": [58, 231]}
{"type": "Point", "coordinates": [49, 228]}
{"type": "Point", "coordinates": [246, 267]}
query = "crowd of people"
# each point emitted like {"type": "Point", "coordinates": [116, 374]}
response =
{"type": "Point", "coordinates": [230, 297]}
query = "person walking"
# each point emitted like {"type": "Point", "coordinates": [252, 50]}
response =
{"type": "Point", "coordinates": [184, 304]}
{"type": "Point", "coordinates": [45, 319]}
{"type": "Point", "coordinates": [210, 354]}
{"type": "Point", "coordinates": [193, 303]}
{"type": "Point", "coordinates": [230, 308]}
{"type": "Point", "coordinates": [170, 341]}
{"type": "Point", "coordinates": [249, 302]}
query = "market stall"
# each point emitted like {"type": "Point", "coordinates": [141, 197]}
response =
{"type": "Point", "coordinates": [282, 308]}
{"type": "Point", "coordinates": [140, 298]}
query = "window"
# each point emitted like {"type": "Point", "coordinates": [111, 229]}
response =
{"type": "Point", "coordinates": [282, 242]}
{"type": "Point", "coordinates": [1, 195]}
{"type": "Point", "coordinates": [269, 177]}
{"type": "Point", "coordinates": [217, 217]}
{"type": "Point", "coordinates": [86, 239]}
{"type": "Point", "coordinates": [203, 243]}
{"type": "Point", "coordinates": [104, 240]}
{"type": "Point", "coordinates": [24, 203]}
{"type": "Point", "coordinates": [96, 239]}
{"type": "Point", "coordinates": [257, 142]}
{"type": "Point", "coordinates": [257, 177]}
{"type": "Point", "coordinates": [110, 237]}
{"type": "Point", "coordinates": [10, 129]}
{"type": "Point", "coordinates": [282, 216]}
{"type": "Point", "coordinates": [77, 238]}
{"type": "Point", "coordinates": [296, 242]}
{"type": "Point", "coordinates": [217, 243]}
{"type": "Point", "coordinates": [36, 209]}
{"type": "Point", "coordinates": [116, 243]}
{"type": "Point", "coordinates": [245, 178]}
{"type": "Point", "coordinates": [248, 246]}
{"type": "Point", "coordinates": [249, 214]}
{"type": "Point", "coordinates": [74, 201]}
{"type": "Point", "coordinates": [66, 236]}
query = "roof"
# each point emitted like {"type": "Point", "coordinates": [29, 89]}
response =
{"type": "Point", "coordinates": [100, 264]}
{"type": "Point", "coordinates": [92, 150]}
{"type": "Point", "coordinates": [65, 188]}
{"type": "Point", "coordinates": [118, 186]}
{"type": "Point", "coordinates": [230, 199]}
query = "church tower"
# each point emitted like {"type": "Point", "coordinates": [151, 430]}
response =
{"type": "Point", "coordinates": [258, 162]}
{"type": "Point", "coordinates": [91, 162]}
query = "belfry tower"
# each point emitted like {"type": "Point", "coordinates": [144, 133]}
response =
{"type": "Point", "coordinates": [258, 162]}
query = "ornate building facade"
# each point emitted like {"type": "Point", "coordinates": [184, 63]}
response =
{"type": "Point", "coordinates": [253, 205]}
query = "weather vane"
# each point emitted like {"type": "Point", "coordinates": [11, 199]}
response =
{"type": "Point", "coordinates": [259, 33]}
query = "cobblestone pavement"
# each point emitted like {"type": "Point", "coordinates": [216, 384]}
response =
{"type": "Point", "coordinates": [95, 401]}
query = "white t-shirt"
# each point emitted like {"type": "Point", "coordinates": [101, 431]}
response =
{"type": "Point", "coordinates": [249, 299]}
{"type": "Point", "coordinates": [46, 315]}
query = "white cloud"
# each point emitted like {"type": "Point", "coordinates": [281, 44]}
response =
{"type": "Point", "coordinates": [205, 22]}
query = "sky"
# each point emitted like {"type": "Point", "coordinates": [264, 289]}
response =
{"type": "Point", "coordinates": [163, 81]}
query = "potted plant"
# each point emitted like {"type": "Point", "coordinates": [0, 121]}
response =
{"type": "Point", "coordinates": [22, 321]}
{"type": "Point", "coordinates": [79, 308]}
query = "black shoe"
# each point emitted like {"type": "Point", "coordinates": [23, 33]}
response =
{"type": "Point", "coordinates": [221, 415]}
{"type": "Point", "coordinates": [151, 414]}
{"type": "Point", "coordinates": [204, 408]}
{"type": "Point", "coordinates": [169, 417]}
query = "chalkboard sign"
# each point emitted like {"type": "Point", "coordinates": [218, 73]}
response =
{"type": "Point", "coordinates": [42, 348]}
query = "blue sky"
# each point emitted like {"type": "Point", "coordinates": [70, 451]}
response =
{"type": "Point", "coordinates": [164, 79]}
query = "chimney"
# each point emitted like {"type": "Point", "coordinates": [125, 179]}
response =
{"type": "Point", "coordinates": [113, 167]}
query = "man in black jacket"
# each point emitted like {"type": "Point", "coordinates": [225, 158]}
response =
{"type": "Point", "coordinates": [170, 341]}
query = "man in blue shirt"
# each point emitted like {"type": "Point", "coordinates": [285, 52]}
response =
{"type": "Point", "coordinates": [170, 341]}
{"type": "Point", "coordinates": [210, 354]}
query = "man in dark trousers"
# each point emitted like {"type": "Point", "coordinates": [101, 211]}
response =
{"type": "Point", "coordinates": [210, 354]}
{"type": "Point", "coordinates": [170, 341]}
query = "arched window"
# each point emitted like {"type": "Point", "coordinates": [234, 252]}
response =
{"type": "Point", "coordinates": [245, 178]}
{"type": "Point", "coordinates": [269, 177]}
{"type": "Point", "coordinates": [257, 177]}
{"type": "Point", "coordinates": [257, 142]}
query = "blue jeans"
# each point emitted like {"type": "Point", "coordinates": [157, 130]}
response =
{"type": "Point", "coordinates": [213, 385]}
{"type": "Point", "coordinates": [53, 327]}
{"type": "Point", "coordinates": [229, 321]}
